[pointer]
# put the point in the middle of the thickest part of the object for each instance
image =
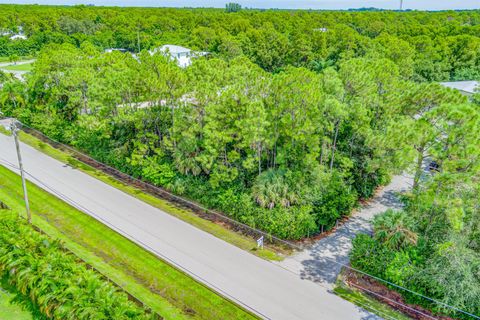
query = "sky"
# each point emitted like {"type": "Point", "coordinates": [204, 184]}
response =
{"type": "Point", "coordinates": [284, 4]}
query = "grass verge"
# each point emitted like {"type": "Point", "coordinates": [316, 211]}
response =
{"type": "Point", "coordinates": [217, 230]}
{"type": "Point", "coordinates": [166, 290]}
{"type": "Point", "coordinates": [368, 303]}
{"type": "Point", "coordinates": [10, 310]}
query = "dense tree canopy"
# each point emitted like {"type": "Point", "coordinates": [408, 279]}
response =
{"type": "Point", "coordinates": [432, 245]}
{"type": "Point", "coordinates": [425, 46]}
{"type": "Point", "coordinates": [292, 118]}
{"type": "Point", "coordinates": [289, 152]}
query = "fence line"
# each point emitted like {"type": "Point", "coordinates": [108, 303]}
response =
{"type": "Point", "coordinates": [198, 209]}
{"type": "Point", "coordinates": [203, 212]}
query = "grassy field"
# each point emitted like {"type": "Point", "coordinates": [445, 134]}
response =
{"type": "Point", "coordinates": [19, 67]}
{"type": "Point", "coordinates": [10, 310]}
{"type": "Point", "coordinates": [219, 231]}
{"type": "Point", "coordinates": [164, 289]}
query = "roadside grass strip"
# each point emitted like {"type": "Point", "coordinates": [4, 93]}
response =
{"type": "Point", "coordinates": [161, 287]}
{"type": "Point", "coordinates": [362, 300]}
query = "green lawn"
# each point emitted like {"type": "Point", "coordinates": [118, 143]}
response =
{"type": "Point", "coordinates": [219, 231]}
{"type": "Point", "coordinates": [19, 67]}
{"type": "Point", "coordinates": [166, 290]}
{"type": "Point", "coordinates": [10, 310]}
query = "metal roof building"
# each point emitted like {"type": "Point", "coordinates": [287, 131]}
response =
{"type": "Point", "coordinates": [465, 87]}
{"type": "Point", "coordinates": [182, 55]}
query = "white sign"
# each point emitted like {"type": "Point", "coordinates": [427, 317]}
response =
{"type": "Point", "coordinates": [260, 242]}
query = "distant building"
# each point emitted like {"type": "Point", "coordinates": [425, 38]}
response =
{"type": "Point", "coordinates": [467, 88]}
{"type": "Point", "coordinates": [182, 55]}
{"type": "Point", "coordinates": [320, 29]}
{"type": "Point", "coordinates": [110, 50]}
{"type": "Point", "coordinates": [186, 99]}
{"type": "Point", "coordinates": [15, 36]}
{"type": "Point", "coordinates": [18, 37]}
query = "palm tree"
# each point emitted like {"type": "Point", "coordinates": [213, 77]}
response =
{"type": "Point", "coordinates": [394, 229]}
{"type": "Point", "coordinates": [271, 189]}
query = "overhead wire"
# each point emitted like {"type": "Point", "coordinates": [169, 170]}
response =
{"type": "Point", "coordinates": [288, 243]}
{"type": "Point", "coordinates": [129, 236]}
{"type": "Point", "coordinates": [98, 217]}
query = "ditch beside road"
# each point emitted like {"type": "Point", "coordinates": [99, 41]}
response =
{"type": "Point", "coordinates": [259, 285]}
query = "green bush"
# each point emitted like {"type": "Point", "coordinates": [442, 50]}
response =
{"type": "Point", "coordinates": [370, 256]}
{"type": "Point", "coordinates": [54, 280]}
{"type": "Point", "coordinates": [333, 201]}
{"type": "Point", "coordinates": [447, 272]}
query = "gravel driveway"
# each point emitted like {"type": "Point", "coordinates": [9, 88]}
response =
{"type": "Point", "coordinates": [312, 264]}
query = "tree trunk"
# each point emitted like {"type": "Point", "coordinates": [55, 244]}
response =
{"type": "Point", "coordinates": [259, 153]}
{"type": "Point", "coordinates": [419, 167]}
{"type": "Point", "coordinates": [334, 146]}
{"type": "Point", "coordinates": [322, 151]}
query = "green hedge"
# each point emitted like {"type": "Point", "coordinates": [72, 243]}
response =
{"type": "Point", "coordinates": [57, 284]}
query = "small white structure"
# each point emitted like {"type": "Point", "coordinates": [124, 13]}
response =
{"type": "Point", "coordinates": [320, 29]}
{"type": "Point", "coordinates": [182, 55]}
{"type": "Point", "coordinates": [18, 37]}
{"type": "Point", "coordinates": [110, 50]}
{"type": "Point", "coordinates": [465, 87]}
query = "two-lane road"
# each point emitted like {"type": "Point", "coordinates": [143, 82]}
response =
{"type": "Point", "coordinates": [264, 287]}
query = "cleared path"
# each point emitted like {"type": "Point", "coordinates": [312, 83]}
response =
{"type": "Point", "coordinates": [264, 287]}
{"type": "Point", "coordinates": [322, 262]}
{"type": "Point", "coordinates": [7, 64]}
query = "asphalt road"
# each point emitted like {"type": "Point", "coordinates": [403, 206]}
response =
{"type": "Point", "coordinates": [266, 288]}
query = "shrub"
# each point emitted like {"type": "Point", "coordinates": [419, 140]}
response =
{"type": "Point", "coordinates": [334, 200]}
{"type": "Point", "coordinates": [370, 256]}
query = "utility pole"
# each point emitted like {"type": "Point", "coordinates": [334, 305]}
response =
{"type": "Point", "coordinates": [401, 5]}
{"type": "Point", "coordinates": [14, 128]}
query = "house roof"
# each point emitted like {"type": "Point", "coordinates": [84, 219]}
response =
{"type": "Point", "coordinates": [173, 49]}
{"type": "Point", "coordinates": [18, 36]}
{"type": "Point", "coordinates": [464, 86]}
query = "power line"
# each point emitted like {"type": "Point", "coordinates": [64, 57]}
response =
{"type": "Point", "coordinates": [393, 301]}
{"type": "Point", "coordinates": [82, 208]}
{"type": "Point", "coordinates": [129, 236]}
{"type": "Point", "coordinates": [288, 243]}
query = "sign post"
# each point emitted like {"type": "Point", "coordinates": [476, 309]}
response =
{"type": "Point", "coordinates": [260, 242]}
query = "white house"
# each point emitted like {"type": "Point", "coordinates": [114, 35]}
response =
{"type": "Point", "coordinates": [18, 37]}
{"type": "Point", "coordinates": [182, 55]}
{"type": "Point", "coordinates": [465, 87]}
{"type": "Point", "coordinates": [110, 50]}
